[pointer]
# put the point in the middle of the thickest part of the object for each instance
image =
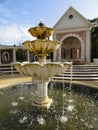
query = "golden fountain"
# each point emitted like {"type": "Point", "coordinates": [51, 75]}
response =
{"type": "Point", "coordinates": [42, 46]}
{"type": "Point", "coordinates": [41, 72]}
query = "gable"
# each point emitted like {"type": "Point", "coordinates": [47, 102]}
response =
{"type": "Point", "coordinates": [72, 20]}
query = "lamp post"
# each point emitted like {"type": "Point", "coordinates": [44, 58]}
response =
{"type": "Point", "coordinates": [14, 53]}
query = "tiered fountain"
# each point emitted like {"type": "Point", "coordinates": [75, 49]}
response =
{"type": "Point", "coordinates": [41, 71]}
{"type": "Point", "coordinates": [73, 108]}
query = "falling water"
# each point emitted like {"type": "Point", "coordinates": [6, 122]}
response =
{"type": "Point", "coordinates": [64, 118]}
{"type": "Point", "coordinates": [70, 100]}
{"type": "Point", "coordinates": [70, 84]}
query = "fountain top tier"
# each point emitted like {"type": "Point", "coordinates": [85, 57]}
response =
{"type": "Point", "coordinates": [42, 46]}
{"type": "Point", "coordinates": [41, 31]}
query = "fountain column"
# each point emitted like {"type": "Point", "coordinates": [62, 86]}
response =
{"type": "Point", "coordinates": [42, 59]}
{"type": "Point", "coordinates": [42, 94]}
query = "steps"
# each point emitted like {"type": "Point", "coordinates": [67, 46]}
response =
{"type": "Point", "coordinates": [7, 69]}
{"type": "Point", "coordinates": [80, 72]}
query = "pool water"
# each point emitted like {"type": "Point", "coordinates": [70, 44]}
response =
{"type": "Point", "coordinates": [73, 108]}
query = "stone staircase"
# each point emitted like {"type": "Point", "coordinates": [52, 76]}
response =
{"type": "Point", "coordinates": [7, 69]}
{"type": "Point", "coordinates": [80, 72]}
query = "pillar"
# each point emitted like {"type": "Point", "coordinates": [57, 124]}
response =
{"type": "Point", "coordinates": [42, 98]}
{"type": "Point", "coordinates": [14, 53]}
{"type": "Point", "coordinates": [88, 46]}
{"type": "Point", "coordinates": [0, 56]}
{"type": "Point", "coordinates": [28, 57]}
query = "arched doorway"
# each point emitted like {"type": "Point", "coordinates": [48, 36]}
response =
{"type": "Point", "coordinates": [71, 49]}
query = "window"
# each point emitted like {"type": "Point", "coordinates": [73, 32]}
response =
{"type": "Point", "coordinates": [64, 53]}
{"type": "Point", "coordinates": [71, 53]}
{"type": "Point", "coordinates": [5, 56]}
{"type": "Point", "coordinates": [70, 16]}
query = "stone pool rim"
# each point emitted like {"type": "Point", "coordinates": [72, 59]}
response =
{"type": "Point", "coordinates": [11, 81]}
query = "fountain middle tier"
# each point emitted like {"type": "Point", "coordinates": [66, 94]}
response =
{"type": "Point", "coordinates": [40, 46]}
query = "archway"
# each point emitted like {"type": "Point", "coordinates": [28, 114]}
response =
{"type": "Point", "coordinates": [71, 48]}
{"type": "Point", "coordinates": [5, 56]}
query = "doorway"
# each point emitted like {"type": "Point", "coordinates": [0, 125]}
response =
{"type": "Point", "coordinates": [71, 49]}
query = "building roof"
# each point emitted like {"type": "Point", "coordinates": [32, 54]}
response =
{"type": "Point", "coordinates": [8, 47]}
{"type": "Point", "coordinates": [72, 19]}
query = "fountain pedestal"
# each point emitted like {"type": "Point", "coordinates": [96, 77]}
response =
{"type": "Point", "coordinates": [42, 98]}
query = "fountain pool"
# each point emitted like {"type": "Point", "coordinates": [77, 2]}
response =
{"type": "Point", "coordinates": [74, 108]}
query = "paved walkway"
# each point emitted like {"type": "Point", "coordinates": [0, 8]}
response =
{"type": "Point", "coordinates": [10, 80]}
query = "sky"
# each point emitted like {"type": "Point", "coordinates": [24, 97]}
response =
{"type": "Point", "coordinates": [17, 16]}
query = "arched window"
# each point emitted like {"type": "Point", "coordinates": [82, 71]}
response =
{"type": "Point", "coordinates": [5, 56]}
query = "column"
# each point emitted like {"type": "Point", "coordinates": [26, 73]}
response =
{"type": "Point", "coordinates": [0, 56]}
{"type": "Point", "coordinates": [28, 57]}
{"type": "Point", "coordinates": [14, 53]}
{"type": "Point", "coordinates": [54, 56]}
{"type": "Point", "coordinates": [78, 54]}
{"type": "Point", "coordinates": [42, 98]}
{"type": "Point", "coordinates": [88, 46]}
{"type": "Point", "coordinates": [55, 52]}
{"type": "Point", "coordinates": [59, 54]}
{"type": "Point", "coordinates": [42, 90]}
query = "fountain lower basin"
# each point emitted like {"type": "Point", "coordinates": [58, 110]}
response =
{"type": "Point", "coordinates": [42, 74]}
{"type": "Point", "coordinates": [40, 71]}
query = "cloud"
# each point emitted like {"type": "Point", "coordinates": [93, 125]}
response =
{"type": "Point", "coordinates": [3, 21]}
{"type": "Point", "coordinates": [4, 11]}
{"type": "Point", "coordinates": [14, 34]}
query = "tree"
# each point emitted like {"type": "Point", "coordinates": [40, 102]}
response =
{"type": "Point", "coordinates": [94, 38]}
{"type": "Point", "coordinates": [20, 55]}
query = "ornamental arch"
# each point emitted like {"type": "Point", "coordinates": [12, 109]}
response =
{"type": "Point", "coordinates": [72, 47]}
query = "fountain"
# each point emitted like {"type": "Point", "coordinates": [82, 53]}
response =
{"type": "Point", "coordinates": [41, 71]}
{"type": "Point", "coordinates": [23, 106]}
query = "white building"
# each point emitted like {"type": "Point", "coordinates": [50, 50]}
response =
{"type": "Point", "coordinates": [74, 32]}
